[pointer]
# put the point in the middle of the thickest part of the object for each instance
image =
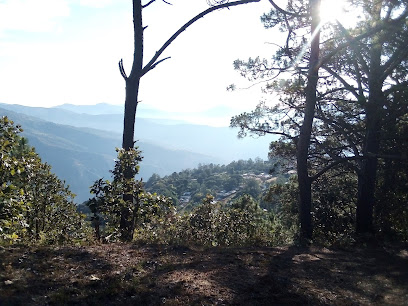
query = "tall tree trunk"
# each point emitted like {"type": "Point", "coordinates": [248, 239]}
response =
{"type": "Point", "coordinates": [126, 225]}
{"type": "Point", "coordinates": [305, 182]}
{"type": "Point", "coordinates": [368, 173]}
{"type": "Point", "coordinates": [133, 81]}
{"type": "Point", "coordinates": [132, 90]}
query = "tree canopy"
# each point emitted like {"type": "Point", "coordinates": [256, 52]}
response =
{"type": "Point", "coordinates": [361, 80]}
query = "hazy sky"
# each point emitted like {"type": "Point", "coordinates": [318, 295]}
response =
{"type": "Point", "coordinates": [67, 51]}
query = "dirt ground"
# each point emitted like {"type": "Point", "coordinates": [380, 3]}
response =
{"type": "Point", "coordinates": [129, 274]}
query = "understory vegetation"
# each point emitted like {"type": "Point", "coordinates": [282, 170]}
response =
{"type": "Point", "coordinates": [37, 207]}
{"type": "Point", "coordinates": [234, 221]}
{"type": "Point", "coordinates": [336, 100]}
{"type": "Point", "coordinates": [154, 218]}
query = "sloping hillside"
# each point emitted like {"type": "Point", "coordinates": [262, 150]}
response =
{"type": "Point", "coordinates": [81, 155]}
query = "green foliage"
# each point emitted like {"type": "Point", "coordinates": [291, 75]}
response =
{"type": "Point", "coordinates": [11, 207]}
{"type": "Point", "coordinates": [233, 221]}
{"type": "Point", "coordinates": [212, 223]}
{"type": "Point", "coordinates": [157, 219]}
{"type": "Point", "coordinates": [120, 197]}
{"type": "Point", "coordinates": [34, 204]}
{"type": "Point", "coordinates": [124, 197]}
{"type": "Point", "coordinates": [251, 187]}
{"type": "Point", "coordinates": [285, 214]}
{"type": "Point", "coordinates": [391, 210]}
{"type": "Point", "coordinates": [334, 206]}
{"type": "Point", "coordinates": [225, 182]}
{"type": "Point", "coordinates": [360, 107]}
{"type": "Point", "coordinates": [333, 209]}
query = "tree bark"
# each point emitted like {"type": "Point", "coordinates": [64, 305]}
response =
{"type": "Point", "coordinates": [368, 173]}
{"type": "Point", "coordinates": [133, 81]}
{"type": "Point", "coordinates": [305, 182]}
{"type": "Point", "coordinates": [132, 92]}
{"type": "Point", "coordinates": [131, 101]}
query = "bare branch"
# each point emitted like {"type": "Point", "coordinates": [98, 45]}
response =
{"type": "Point", "coordinates": [151, 1]}
{"type": "Point", "coordinates": [155, 64]}
{"type": "Point", "coordinates": [262, 81]}
{"type": "Point", "coordinates": [149, 65]}
{"type": "Point", "coordinates": [254, 130]}
{"type": "Point", "coordinates": [122, 70]}
{"type": "Point", "coordinates": [147, 4]}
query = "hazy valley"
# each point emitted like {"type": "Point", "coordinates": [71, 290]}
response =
{"type": "Point", "coordinates": [79, 142]}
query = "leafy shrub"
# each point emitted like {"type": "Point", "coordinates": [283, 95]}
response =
{"type": "Point", "coordinates": [123, 201]}
{"type": "Point", "coordinates": [156, 219]}
{"type": "Point", "coordinates": [391, 209]}
{"type": "Point", "coordinates": [285, 214]}
{"type": "Point", "coordinates": [35, 206]}
{"type": "Point", "coordinates": [213, 224]}
{"type": "Point", "coordinates": [333, 210]}
{"type": "Point", "coordinates": [210, 224]}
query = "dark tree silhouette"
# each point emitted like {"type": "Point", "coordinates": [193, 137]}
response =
{"type": "Point", "coordinates": [359, 65]}
{"type": "Point", "coordinates": [138, 71]}
{"type": "Point", "coordinates": [305, 182]}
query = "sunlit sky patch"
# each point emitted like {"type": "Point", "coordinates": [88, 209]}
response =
{"type": "Point", "coordinates": [66, 51]}
{"type": "Point", "coordinates": [332, 11]}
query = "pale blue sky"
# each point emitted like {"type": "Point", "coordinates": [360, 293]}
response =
{"type": "Point", "coordinates": [66, 51]}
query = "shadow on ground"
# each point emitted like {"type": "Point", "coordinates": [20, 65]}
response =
{"type": "Point", "coordinates": [127, 274]}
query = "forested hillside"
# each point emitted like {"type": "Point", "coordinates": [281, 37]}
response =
{"type": "Point", "coordinates": [225, 182]}
{"type": "Point", "coordinates": [81, 155]}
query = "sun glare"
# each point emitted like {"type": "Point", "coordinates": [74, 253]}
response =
{"type": "Point", "coordinates": [333, 11]}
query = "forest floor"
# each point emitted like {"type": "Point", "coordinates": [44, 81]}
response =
{"type": "Point", "coordinates": [131, 274]}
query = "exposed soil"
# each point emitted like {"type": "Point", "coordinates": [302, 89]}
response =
{"type": "Point", "coordinates": [128, 274]}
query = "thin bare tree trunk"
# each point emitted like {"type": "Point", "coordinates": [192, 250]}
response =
{"type": "Point", "coordinates": [133, 81]}
{"type": "Point", "coordinates": [131, 101]}
{"type": "Point", "coordinates": [305, 182]}
{"type": "Point", "coordinates": [132, 90]}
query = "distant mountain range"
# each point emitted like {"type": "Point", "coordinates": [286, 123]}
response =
{"type": "Point", "coordinates": [144, 111]}
{"type": "Point", "coordinates": [79, 142]}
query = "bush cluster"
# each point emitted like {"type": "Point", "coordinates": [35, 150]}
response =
{"type": "Point", "coordinates": [35, 206]}
{"type": "Point", "coordinates": [210, 224]}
